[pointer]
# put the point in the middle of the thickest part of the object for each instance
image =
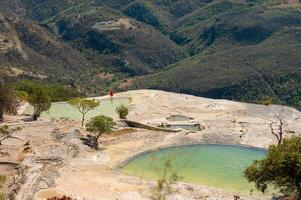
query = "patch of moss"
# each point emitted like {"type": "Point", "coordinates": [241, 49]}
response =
{"type": "Point", "coordinates": [2, 196]}
{"type": "Point", "coordinates": [2, 180]}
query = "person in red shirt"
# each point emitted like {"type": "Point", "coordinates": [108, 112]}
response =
{"type": "Point", "coordinates": [111, 93]}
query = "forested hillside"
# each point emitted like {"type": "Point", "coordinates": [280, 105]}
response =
{"type": "Point", "coordinates": [246, 50]}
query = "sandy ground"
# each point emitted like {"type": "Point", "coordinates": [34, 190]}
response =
{"type": "Point", "coordinates": [58, 163]}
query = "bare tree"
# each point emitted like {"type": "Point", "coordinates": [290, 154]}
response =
{"type": "Point", "coordinates": [279, 131]}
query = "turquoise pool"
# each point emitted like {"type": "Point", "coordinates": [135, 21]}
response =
{"type": "Point", "coordinates": [219, 166]}
{"type": "Point", "coordinates": [177, 118]}
{"type": "Point", "coordinates": [63, 109]}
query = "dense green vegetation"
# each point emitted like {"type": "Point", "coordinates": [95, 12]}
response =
{"type": "Point", "coordinates": [280, 168]}
{"type": "Point", "coordinates": [138, 50]}
{"type": "Point", "coordinates": [55, 91]}
{"type": "Point", "coordinates": [143, 13]}
{"type": "Point", "coordinates": [242, 50]}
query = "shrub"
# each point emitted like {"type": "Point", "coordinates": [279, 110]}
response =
{"type": "Point", "coordinates": [122, 111]}
{"type": "Point", "coordinates": [22, 95]}
{"type": "Point", "coordinates": [40, 100]}
{"type": "Point", "coordinates": [280, 168]}
{"type": "Point", "coordinates": [63, 198]}
{"type": "Point", "coordinates": [267, 101]}
{"type": "Point", "coordinates": [100, 125]}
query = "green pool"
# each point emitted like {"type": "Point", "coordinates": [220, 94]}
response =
{"type": "Point", "coordinates": [63, 109]}
{"type": "Point", "coordinates": [219, 166]}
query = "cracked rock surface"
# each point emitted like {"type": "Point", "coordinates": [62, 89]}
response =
{"type": "Point", "coordinates": [51, 160]}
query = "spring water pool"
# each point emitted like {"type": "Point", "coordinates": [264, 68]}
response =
{"type": "Point", "coordinates": [64, 110]}
{"type": "Point", "coordinates": [176, 118]}
{"type": "Point", "coordinates": [219, 166]}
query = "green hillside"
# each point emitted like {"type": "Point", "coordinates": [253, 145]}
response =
{"type": "Point", "coordinates": [29, 51]}
{"type": "Point", "coordinates": [129, 47]}
{"type": "Point", "coordinates": [242, 52]}
{"type": "Point", "coordinates": [246, 50]}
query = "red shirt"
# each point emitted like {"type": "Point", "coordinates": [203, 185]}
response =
{"type": "Point", "coordinates": [111, 93]}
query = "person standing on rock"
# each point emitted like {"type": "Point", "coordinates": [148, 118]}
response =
{"type": "Point", "coordinates": [111, 94]}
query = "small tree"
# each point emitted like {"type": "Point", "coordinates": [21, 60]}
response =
{"type": "Point", "coordinates": [100, 125]}
{"type": "Point", "coordinates": [122, 111]}
{"type": "Point", "coordinates": [40, 100]}
{"type": "Point", "coordinates": [281, 168]}
{"type": "Point", "coordinates": [6, 99]}
{"type": "Point", "coordinates": [83, 106]}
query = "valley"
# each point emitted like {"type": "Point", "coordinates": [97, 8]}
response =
{"type": "Point", "coordinates": [249, 49]}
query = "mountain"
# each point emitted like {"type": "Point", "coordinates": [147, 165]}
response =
{"type": "Point", "coordinates": [29, 51]}
{"type": "Point", "coordinates": [109, 37]}
{"type": "Point", "coordinates": [238, 51]}
{"type": "Point", "coordinates": [244, 50]}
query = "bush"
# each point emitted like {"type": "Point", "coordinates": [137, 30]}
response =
{"type": "Point", "coordinates": [40, 100]}
{"type": "Point", "coordinates": [122, 111]}
{"type": "Point", "coordinates": [21, 95]}
{"type": "Point", "coordinates": [100, 125]}
{"type": "Point", "coordinates": [280, 168]}
{"type": "Point", "coordinates": [267, 101]}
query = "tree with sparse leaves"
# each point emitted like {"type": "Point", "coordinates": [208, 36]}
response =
{"type": "Point", "coordinates": [281, 168]}
{"type": "Point", "coordinates": [100, 125]}
{"type": "Point", "coordinates": [83, 106]}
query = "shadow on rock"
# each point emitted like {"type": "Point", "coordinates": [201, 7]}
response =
{"type": "Point", "coordinates": [90, 141]}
